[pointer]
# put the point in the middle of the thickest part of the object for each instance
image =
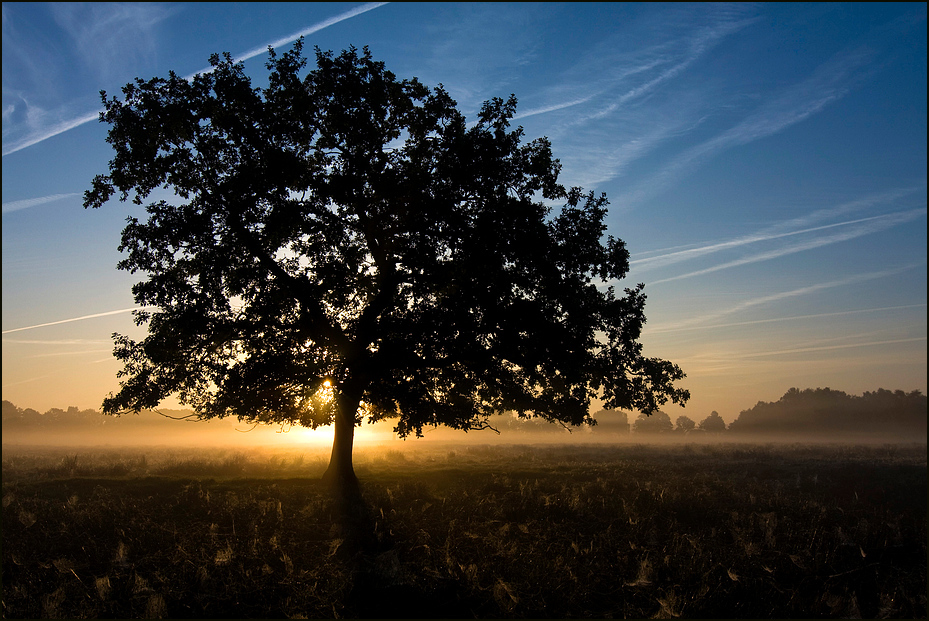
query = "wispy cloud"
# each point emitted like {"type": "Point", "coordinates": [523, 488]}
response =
{"type": "Point", "coordinates": [69, 353]}
{"type": "Point", "coordinates": [632, 95]}
{"type": "Point", "coordinates": [858, 204]}
{"type": "Point", "coordinates": [857, 228]}
{"type": "Point", "coordinates": [27, 381]}
{"type": "Point", "coordinates": [35, 202]}
{"type": "Point", "coordinates": [778, 230]}
{"type": "Point", "coordinates": [54, 341]}
{"type": "Point", "coordinates": [700, 44]}
{"type": "Point", "coordinates": [782, 319]}
{"type": "Point", "coordinates": [622, 76]}
{"type": "Point", "coordinates": [43, 124]}
{"type": "Point", "coordinates": [801, 350]}
{"type": "Point", "coordinates": [112, 36]}
{"type": "Point", "coordinates": [552, 107]}
{"type": "Point", "coordinates": [828, 83]}
{"type": "Point", "coordinates": [81, 318]}
{"type": "Point", "coordinates": [783, 295]}
{"type": "Point", "coordinates": [263, 49]}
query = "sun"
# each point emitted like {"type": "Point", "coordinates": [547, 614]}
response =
{"type": "Point", "coordinates": [321, 436]}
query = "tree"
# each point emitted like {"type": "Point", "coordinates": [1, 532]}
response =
{"type": "Point", "coordinates": [713, 423]}
{"type": "Point", "coordinates": [660, 422]}
{"type": "Point", "coordinates": [343, 246]}
{"type": "Point", "coordinates": [833, 413]}
{"type": "Point", "coordinates": [615, 421]}
{"type": "Point", "coordinates": [684, 424]}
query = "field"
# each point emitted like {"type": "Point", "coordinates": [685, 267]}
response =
{"type": "Point", "coordinates": [694, 530]}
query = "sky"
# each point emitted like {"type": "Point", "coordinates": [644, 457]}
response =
{"type": "Point", "coordinates": [765, 164]}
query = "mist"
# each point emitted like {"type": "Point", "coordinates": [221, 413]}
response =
{"type": "Point", "coordinates": [801, 416]}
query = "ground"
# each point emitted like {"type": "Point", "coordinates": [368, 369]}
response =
{"type": "Point", "coordinates": [631, 530]}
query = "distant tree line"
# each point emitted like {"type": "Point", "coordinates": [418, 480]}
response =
{"type": "Point", "coordinates": [19, 419]}
{"type": "Point", "coordinates": [822, 411]}
{"type": "Point", "coordinates": [811, 412]}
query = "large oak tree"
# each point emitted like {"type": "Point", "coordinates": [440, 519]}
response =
{"type": "Point", "coordinates": [342, 245]}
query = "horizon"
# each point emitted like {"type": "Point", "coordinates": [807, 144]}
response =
{"type": "Point", "coordinates": [765, 165]}
{"type": "Point", "coordinates": [900, 421]}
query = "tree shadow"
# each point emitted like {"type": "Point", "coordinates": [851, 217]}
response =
{"type": "Point", "coordinates": [382, 585]}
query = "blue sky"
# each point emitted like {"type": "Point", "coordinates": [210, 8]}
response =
{"type": "Point", "coordinates": [766, 165]}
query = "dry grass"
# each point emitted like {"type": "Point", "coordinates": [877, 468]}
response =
{"type": "Point", "coordinates": [521, 531]}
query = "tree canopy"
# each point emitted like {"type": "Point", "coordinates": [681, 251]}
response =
{"type": "Point", "coordinates": [684, 424]}
{"type": "Point", "coordinates": [344, 245]}
{"type": "Point", "coordinates": [827, 412]}
{"type": "Point", "coordinates": [660, 422]}
{"type": "Point", "coordinates": [713, 423]}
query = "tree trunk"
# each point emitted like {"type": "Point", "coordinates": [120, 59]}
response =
{"type": "Point", "coordinates": [340, 476]}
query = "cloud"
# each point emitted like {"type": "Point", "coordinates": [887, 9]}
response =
{"type": "Point", "coordinates": [314, 28]}
{"type": "Point", "coordinates": [828, 83]}
{"type": "Point", "coordinates": [672, 56]}
{"type": "Point", "coordinates": [599, 161]}
{"type": "Point", "coordinates": [263, 49]}
{"type": "Point", "coordinates": [41, 124]}
{"type": "Point", "coordinates": [35, 202]}
{"type": "Point", "coordinates": [786, 228]}
{"type": "Point", "coordinates": [31, 379]}
{"type": "Point", "coordinates": [783, 295]}
{"type": "Point", "coordinates": [799, 350]}
{"type": "Point", "coordinates": [553, 107]}
{"type": "Point", "coordinates": [702, 42]}
{"type": "Point", "coordinates": [54, 341]}
{"type": "Point", "coordinates": [112, 36]}
{"type": "Point", "coordinates": [781, 319]}
{"type": "Point", "coordinates": [615, 106]}
{"type": "Point", "coordinates": [83, 317]}
{"type": "Point", "coordinates": [70, 353]}
{"type": "Point", "coordinates": [863, 226]}
{"type": "Point", "coordinates": [44, 125]}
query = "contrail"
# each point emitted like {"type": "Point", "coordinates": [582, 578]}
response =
{"type": "Point", "coordinates": [798, 350]}
{"type": "Point", "coordinates": [879, 223]}
{"type": "Point", "coordinates": [681, 255]}
{"type": "Point", "coordinates": [55, 323]}
{"type": "Point", "coordinates": [767, 299]}
{"type": "Point", "coordinates": [63, 126]}
{"type": "Point", "coordinates": [54, 130]}
{"type": "Point", "coordinates": [33, 202]}
{"type": "Point", "coordinates": [308, 31]}
{"type": "Point", "coordinates": [779, 319]}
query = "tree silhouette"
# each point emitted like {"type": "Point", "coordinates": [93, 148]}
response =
{"type": "Point", "coordinates": [615, 421]}
{"type": "Point", "coordinates": [831, 413]}
{"type": "Point", "coordinates": [342, 246]}
{"type": "Point", "coordinates": [684, 424]}
{"type": "Point", "coordinates": [660, 422]}
{"type": "Point", "coordinates": [713, 423]}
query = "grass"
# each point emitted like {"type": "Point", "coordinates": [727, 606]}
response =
{"type": "Point", "coordinates": [751, 531]}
